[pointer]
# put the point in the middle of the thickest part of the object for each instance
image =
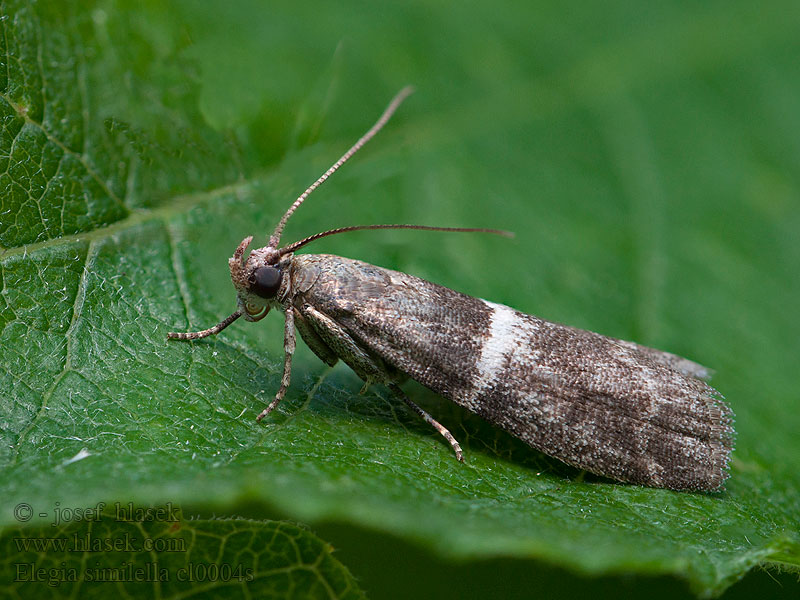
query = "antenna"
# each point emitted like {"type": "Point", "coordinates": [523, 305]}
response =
{"type": "Point", "coordinates": [275, 238]}
{"type": "Point", "coordinates": [297, 245]}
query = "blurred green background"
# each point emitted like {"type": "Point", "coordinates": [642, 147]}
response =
{"type": "Point", "coordinates": [647, 156]}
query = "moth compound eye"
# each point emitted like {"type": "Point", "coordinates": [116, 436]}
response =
{"type": "Point", "coordinates": [265, 282]}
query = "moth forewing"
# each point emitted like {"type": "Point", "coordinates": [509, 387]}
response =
{"type": "Point", "coordinates": [612, 407]}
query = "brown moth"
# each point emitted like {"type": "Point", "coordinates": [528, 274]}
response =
{"type": "Point", "coordinates": [608, 406]}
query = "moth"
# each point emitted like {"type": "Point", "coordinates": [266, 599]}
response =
{"type": "Point", "coordinates": [610, 407]}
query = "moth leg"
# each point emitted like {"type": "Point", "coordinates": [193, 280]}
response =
{"type": "Point", "coordinates": [288, 350]}
{"type": "Point", "coordinates": [368, 368]}
{"type": "Point", "coordinates": [313, 341]}
{"type": "Point", "coordinates": [428, 419]}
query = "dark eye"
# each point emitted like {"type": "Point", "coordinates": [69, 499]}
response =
{"type": "Point", "coordinates": [265, 282]}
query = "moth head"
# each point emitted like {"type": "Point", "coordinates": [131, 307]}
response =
{"type": "Point", "coordinates": [258, 278]}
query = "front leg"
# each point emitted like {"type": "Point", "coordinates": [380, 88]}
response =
{"type": "Point", "coordinates": [289, 344]}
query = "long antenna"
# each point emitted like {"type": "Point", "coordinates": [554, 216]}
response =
{"type": "Point", "coordinates": [275, 239]}
{"type": "Point", "coordinates": [299, 244]}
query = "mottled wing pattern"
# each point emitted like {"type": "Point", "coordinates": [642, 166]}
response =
{"type": "Point", "coordinates": [612, 407]}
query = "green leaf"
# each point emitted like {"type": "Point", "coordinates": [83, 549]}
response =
{"type": "Point", "coordinates": [152, 552]}
{"type": "Point", "coordinates": [646, 157]}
